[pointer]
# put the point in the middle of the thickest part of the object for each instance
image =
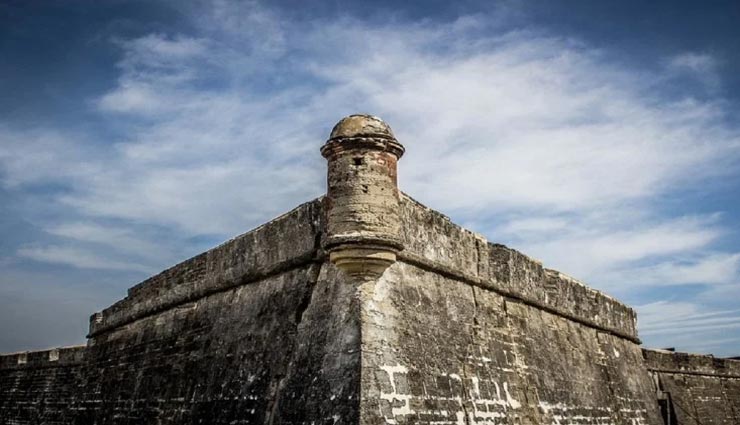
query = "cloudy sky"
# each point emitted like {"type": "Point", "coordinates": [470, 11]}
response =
{"type": "Point", "coordinates": [600, 137]}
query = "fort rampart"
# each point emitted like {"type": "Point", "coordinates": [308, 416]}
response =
{"type": "Point", "coordinates": [695, 389]}
{"type": "Point", "coordinates": [408, 319]}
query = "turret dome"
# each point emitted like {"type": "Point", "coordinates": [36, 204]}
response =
{"type": "Point", "coordinates": [361, 125]}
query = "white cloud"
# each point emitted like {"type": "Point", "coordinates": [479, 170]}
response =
{"type": "Point", "coordinates": [116, 238]}
{"type": "Point", "coordinates": [696, 62]}
{"type": "Point", "coordinates": [533, 226]}
{"type": "Point", "coordinates": [690, 326]}
{"type": "Point", "coordinates": [44, 156]}
{"type": "Point", "coordinates": [593, 249]}
{"type": "Point", "coordinates": [159, 51]}
{"type": "Point", "coordinates": [701, 66]}
{"type": "Point", "coordinates": [514, 123]}
{"type": "Point", "coordinates": [135, 97]}
{"type": "Point", "coordinates": [84, 259]}
{"type": "Point", "coordinates": [709, 269]}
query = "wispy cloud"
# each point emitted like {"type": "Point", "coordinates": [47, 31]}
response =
{"type": "Point", "coordinates": [47, 156]}
{"type": "Point", "coordinates": [707, 268]}
{"type": "Point", "coordinates": [701, 66]}
{"type": "Point", "coordinates": [117, 238]}
{"type": "Point", "coordinates": [671, 324]}
{"type": "Point", "coordinates": [83, 259]}
{"type": "Point", "coordinates": [596, 247]}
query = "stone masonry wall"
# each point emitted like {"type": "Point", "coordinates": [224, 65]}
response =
{"type": "Point", "coordinates": [433, 242]}
{"type": "Point", "coordinates": [439, 350]}
{"type": "Point", "coordinates": [282, 243]}
{"type": "Point", "coordinates": [695, 389]}
{"type": "Point", "coordinates": [280, 350]}
{"type": "Point", "coordinates": [257, 330]}
{"type": "Point", "coordinates": [263, 329]}
{"type": "Point", "coordinates": [39, 387]}
{"type": "Point", "coordinates": [461, 331]}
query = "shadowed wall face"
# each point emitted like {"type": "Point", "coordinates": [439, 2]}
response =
{"type": "Point", "coordinates": [694, 389]}
{"type": "Point", "coordinates": [258, 330]}
{"type": "Point", "coordinates": [40, 387]}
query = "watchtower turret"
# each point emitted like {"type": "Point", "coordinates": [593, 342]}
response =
{"type": "Point", "coordinates": [363, 220]}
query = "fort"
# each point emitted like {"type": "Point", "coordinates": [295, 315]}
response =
{"type": "Point", "coordinates": [365, 307]}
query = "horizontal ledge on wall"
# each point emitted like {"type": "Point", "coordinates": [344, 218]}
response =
{"type": "Point", "coordinates": [313, 256]}
{"type": "Point", "coordinates": [446, 271]}
{"type": "Point", "coordinates": [691, 372]}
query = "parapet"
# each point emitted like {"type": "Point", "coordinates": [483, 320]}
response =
{"type": "Point", "coordinates": [295, 322]}
{"type": "Point", "coordinates": [288, 241]}
{"type": "Point", "coordinates": [665, 361]}
{"type": "Point", "coordinates": [53, 357]}
{"type": "Point", "coordinates": [365, 224]}
{"type": "Point", "coordinates": [433, 242]}
{"type": "Point", "coordinates": [694, 388]}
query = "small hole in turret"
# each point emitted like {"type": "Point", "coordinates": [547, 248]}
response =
{"type": "Point", "coordinates": [357, 161]}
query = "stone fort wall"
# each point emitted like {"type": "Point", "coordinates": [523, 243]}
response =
{"type": "Point", "coordinates": [38, 387]}
{"type": "Point", "coordinates": [694, 389]}
{"type": "Point", "coordinates": [404, 318]}
{"type": "Point", "coordinates": [263, 329]}
{"type": "Point", "coordinates": [460, 331]}
{"type": "Point", "coordinates": [257, 330]}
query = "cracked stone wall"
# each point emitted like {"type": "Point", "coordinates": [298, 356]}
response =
{"type": "Point", "coordinates": [695, 389]}
{"type": "Point", "coordinates": [263, 329]}
{"type": "Point", "coordinates": [279, 350]}
{"type": "Point", "coordinates": [258, 330]}
{"type": "Point", "coordinates": [443, 351]}
{"type": "Point", "coordinates": [464, 332]}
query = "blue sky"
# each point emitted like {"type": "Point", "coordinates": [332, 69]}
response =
{"type": "Point", "coordinates": [599, 137]}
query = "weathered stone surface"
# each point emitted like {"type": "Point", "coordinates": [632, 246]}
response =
{"type": "Point", "coordinates": [38, 387]}
{"type": "Point", "coordinates": [282, 243]}
{"type": "Point", "coordinates": [365, 306]}
{"type": "Point", "coordinates": [258, 330]}
{"type": "Point", "coordinates": [281, 350]}
{"type": "Point", "coordinates": [433, 242]}
{"type": "Point", "coordinates": [362, 218]}
{"type": "Point", "coordinates": [695, 389]}
{"type": "Point", "coordinates": [361, 125]}
{"type": "Point", "coordinates": [430, 236]}
{"type": "Point", "coordinates": [440, 350]}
